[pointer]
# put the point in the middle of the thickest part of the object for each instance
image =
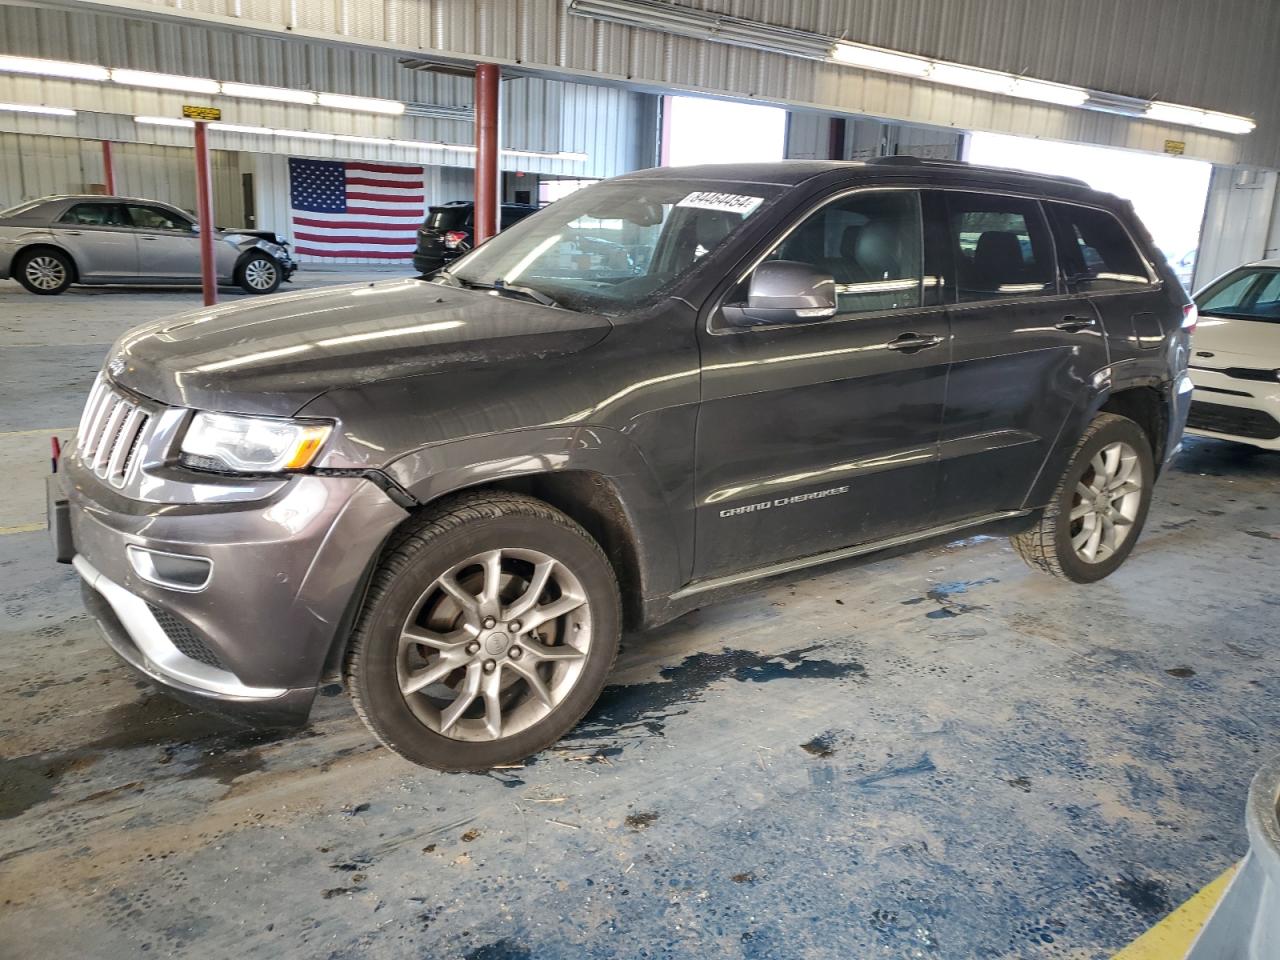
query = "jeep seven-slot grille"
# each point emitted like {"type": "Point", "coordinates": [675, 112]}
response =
{"type": "Point", "coordinates": [111, 431]}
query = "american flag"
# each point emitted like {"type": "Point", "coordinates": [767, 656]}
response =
{"type": "Point", "coordinates": [360, 210]}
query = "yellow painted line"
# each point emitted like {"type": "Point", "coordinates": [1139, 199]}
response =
{"type": "Point", "coordinates": [23, 528]}
{"type": "Point", "coordinates": [1171, 938]}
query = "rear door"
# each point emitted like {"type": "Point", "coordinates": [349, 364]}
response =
{"type": "Point", "coordinates": [99, 239]}
{"type": "Point", "coordinates": [168, 246]}
{"type": "Point", "coordinates": [1024, 354]}
{"type": "Point", "coordinates": [814, 436]}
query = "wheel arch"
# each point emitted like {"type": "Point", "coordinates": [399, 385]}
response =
{"type": "Point", "coordinates": [243, 257]}
{"type": "Point", "coordinates": [35, 247]}
{"type": "Point", "coordinates": [1146, 406]}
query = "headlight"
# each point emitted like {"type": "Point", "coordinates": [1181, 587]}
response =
{"type": "Point", "coordinates": [222, 441]}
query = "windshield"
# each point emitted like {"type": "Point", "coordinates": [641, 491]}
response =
{"type": "Point", "coordinates": [1251, 293]}
{"type": "Point", "coordinates": [613, 246]}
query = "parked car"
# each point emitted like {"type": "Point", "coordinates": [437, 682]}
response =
{"type": "Point", "coordinates": [455, 493]}
{"type": "Point", "coordinates": [449, 231]}
{"type": "Point", "coordinates": [51, 243]}
{"type": "Point", "coordinates": [1235, 360]}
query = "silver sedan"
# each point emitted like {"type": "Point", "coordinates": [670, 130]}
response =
{"type": "Point", "coordinates": [51, 243]}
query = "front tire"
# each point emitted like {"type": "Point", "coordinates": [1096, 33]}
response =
{"type": "Point", "coordinates": [1097, 512]}
{"type": "Point", "coordinates": [45, 272]}
{"type": "Point", "coordinates": [259, 274]}
{"type": "Point", "coordinates": [488, 631]}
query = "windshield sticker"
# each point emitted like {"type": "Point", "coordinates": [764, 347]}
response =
{"type": "Point", "coordinates": [724, 202]}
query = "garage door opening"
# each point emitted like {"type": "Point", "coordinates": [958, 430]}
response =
{"type": "Point", "coordinates": [1169, 193]}
{"type": "Point", "coordinates": [699, 130]}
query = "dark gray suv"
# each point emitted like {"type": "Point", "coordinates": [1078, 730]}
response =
{"type": "Point", "coordinates": [456, 493]}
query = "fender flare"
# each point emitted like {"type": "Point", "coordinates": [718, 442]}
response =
{"type": "Point", "coordinates": [433, 472]}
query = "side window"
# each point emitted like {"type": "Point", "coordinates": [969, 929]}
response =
{"type": "Point", "coordinates": [94, 215]}
{"type": "Point", "coordinates": [1001, 247]}
{"type": "Point", "coordinates": [870, 243]}
{"type": "Point", "coordinates": [155, 218]}
{"type": "Point", "coordinates": [1096, 252]}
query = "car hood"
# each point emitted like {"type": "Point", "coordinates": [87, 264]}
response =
{"type": "Point", "coordinates": [1235, 343]}
{"type": "Point", "coordinates": [273, 355]}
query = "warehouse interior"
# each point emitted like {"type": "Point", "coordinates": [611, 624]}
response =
{"type": "Point", "coordinates": [924, 749]}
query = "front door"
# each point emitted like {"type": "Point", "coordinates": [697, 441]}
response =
{"type": "Point", "coordinates": [818, 435]}
{"type": "Point", "coordinates": [1024, 355]}
{"type": "Point", "coordinates": [168, 246]}
{"type": "Point", "coordinates": [99, 239]}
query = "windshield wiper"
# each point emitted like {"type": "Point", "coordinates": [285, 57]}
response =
{"type": "Point", "coordinates": [537, 296]}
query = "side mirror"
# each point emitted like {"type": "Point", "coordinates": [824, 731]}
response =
{"type": "Point", "coordinates": [784, 291]}
{"type": "Point", "coordinates": [195, 228]}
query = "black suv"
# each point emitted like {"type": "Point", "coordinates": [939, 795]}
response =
{"type": "Point", "coordinates": [449, 231]}
{"type": "Point", "coordinates": [455, 494]}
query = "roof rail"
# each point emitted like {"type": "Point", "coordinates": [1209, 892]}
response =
{"type": "Point", "coordinates": [908, 161]}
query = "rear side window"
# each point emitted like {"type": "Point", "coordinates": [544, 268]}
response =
{"type": "Point", "coordinates": [1097, 253]}
{"type": "Point", "coordinates": [1001, 247]}
{"type": "Point", "coordinates": [94, 215]}
{"type": "Point", "coordinates": [155, 218]}
{"type": "Point", "coordinates": [870, 243]}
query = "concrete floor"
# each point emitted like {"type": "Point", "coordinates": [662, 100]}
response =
{"type": "Point", "coordinates": [937, 755]}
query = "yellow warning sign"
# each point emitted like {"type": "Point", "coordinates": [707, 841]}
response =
{"type": "Point", "coordinates": [191, 112]}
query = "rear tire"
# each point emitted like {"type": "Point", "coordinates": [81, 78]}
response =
{"type": "Point", "coordinates": [259, 273]}
{"type": "Point", "coordinates": [45, 272]}
{"type": "Point", "coordinates": [489, 629]}
{"type": "Point", "coordinates": [1097, 511]}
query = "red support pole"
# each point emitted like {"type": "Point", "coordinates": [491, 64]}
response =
{"type": "Point", "coordinates": [204, 210]}
{"type": "Point", "coordinates": [108, 169]}
{"type": "Point", "coordinates": [487, 78]}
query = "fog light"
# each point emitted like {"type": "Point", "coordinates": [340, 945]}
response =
{"type": "Point", "coordinates": [173, 571]}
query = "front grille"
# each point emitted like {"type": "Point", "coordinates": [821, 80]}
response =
{"type": "Point", "coordinates": [112, 428]}
{"type": "Point", "coordinates": [183, 636]}
{"type": "Point", "coordinates": [1237, 421]}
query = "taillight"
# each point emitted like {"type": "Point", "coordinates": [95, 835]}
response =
{"type": "Point", "coordinates": [453, 239]}
{"type": "Point", "coordinates": [1190, 317]}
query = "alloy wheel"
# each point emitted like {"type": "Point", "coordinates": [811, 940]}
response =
{"type": "Point", "coordinates": [494, 644]}
{"type": "Point", "coordinates": [45, 272]}
{"type": "Point", "coordinates": [260, 274]}
{"type": "Point", "coordinates": [1106, 502]}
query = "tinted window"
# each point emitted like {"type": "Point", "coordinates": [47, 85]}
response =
{"type": "Point", "coordinates": [94, 215]}
{"type": "Point", "coordinates": [510, 215]}
{"type": "Point", "coordinates": [870, 243]}
{"type": "Point", "coordinates": [156, 218]}
{"type": "Point", "coordinates": [1096, 252]}
{"type": "Point", "coordinates": [1249, 293]}
{"type": "Point", "coordinates": [1001, 247]}
{"type": "Point", "coordinates": [447, 218]}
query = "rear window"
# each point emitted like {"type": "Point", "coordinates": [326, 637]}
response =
{"type": "Point", "coordinates": [1250, 293]}
{"type": "Point", "coordinates": [1096, 251]}
{"type": "Point", "coordinates": [448, 218]}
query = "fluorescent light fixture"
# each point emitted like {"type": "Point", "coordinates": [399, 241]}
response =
{"type": "Point", "coordinates": [164, 81]}
{"type": "Point", "coordinates": [1191, 117]}
{"type": "Point", "coordinates": [53, 68]}
{"type": "Point", "coordinates": [30, 108]}
{"type": "Point", "coordinates": [973, 78]}
{"type": "Point", "coordinates": [165, 121]}
{"type": "Point", "coordinates": [873, 58]}
{"type": "Point", "coordinates": [340, 101]}
{"type": "Point", "coordinates": [369, 141]}
{"type": "Point", "coordinates": [252, 91]}
{"type": "Point", "coordinates": [1059, 93]}
{"type": "Point", "coordinates": [240, 128]}
{"type": "Point", "coordinates": [423, 145]}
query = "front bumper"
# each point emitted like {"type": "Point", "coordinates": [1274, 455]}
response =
{"type": "Point", "coordinates": [1230, 408]}
{"type": "Point", "coordinates": [284, 572]}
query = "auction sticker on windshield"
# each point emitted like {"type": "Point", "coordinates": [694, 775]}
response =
{"type": "Point", "coordinates": [724, 202]}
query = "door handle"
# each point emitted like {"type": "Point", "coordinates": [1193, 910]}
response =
{"type": "Point", "coordinates": [74, 233]}
{"type": "Point", "coordinates": [911, 342]}
{"type": "Point", "coordinates": [148, 238]}
{"type": "Point", "coordinates": [1072, 324]}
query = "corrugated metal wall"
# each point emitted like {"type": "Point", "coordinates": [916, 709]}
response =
{"type": "Point", "coordinates": [808, 138]}
{"type": "Point", "coordinates": [1220, 56]}
{"type": "Point", "coordinates": [36, 166]}
{"type": "Point", "coordinates": [1239, 219]}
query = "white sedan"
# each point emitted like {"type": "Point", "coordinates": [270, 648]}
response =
{"type": "Point", "coordinates": [1235, 357]}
